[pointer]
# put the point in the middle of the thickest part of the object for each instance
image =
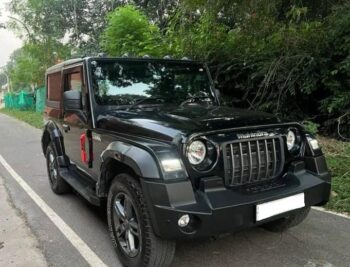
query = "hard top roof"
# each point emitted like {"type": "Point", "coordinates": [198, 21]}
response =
{"type": "Point", "coordinates": [63, 64]}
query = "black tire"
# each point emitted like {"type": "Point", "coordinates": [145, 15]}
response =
{"type": "Point", "coordinates": [57, 183]}
{"type": "Point", "coordinates": [281, 225]}
{"type": "Point", "coordinates": [127, 215]}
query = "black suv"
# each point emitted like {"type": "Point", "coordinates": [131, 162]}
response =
{"type": "Point", "coordinates": [150, 137]}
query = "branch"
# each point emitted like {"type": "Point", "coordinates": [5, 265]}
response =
{"type": "Point", "coordinates": [24, 26]}
{"type": "Point", "coordinates": [339, 123]}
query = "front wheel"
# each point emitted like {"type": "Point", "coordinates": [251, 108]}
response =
{"type": "Point", "coordinates": [130, 227]}
{"type": "Point", "coordinates": [58, 185]}
{"type": "Point", "coordinates": [281, 225]}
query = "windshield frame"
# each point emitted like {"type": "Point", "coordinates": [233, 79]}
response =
{"type": "Point", "coordinates": [101, 108]}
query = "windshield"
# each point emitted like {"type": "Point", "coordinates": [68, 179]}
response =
{"type": "Point", "coordinates": [129, 83]}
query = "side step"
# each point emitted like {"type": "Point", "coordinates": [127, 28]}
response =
{"type": "Point", "coordinates": [81, 185]}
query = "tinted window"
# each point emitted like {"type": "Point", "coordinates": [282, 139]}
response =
{"type": "Point", "coordinates": [127, 82]}
{"type": "Point", "coordinates": [54, 86]}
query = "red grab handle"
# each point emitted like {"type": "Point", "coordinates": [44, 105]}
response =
{"type": "Point", "coordinates": [82, 148]}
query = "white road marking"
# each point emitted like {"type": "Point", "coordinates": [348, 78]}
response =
{"type": "Point", "coordinates": [331, 212]}
{"type": "Point", "coordinates": [68, 232]}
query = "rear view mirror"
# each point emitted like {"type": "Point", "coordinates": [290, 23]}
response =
{"type": "Point", "coordinates": [72, 100]}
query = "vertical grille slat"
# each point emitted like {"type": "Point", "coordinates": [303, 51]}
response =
{"type": "Point", "coordinates": [266, 160]}
{"type": "Point", "coordinates": [242, 162]}
{"type": "Point", "coordinates": [274, 161]}
{"type": "Point", "coordinates": [250, 161]}
{"type": "Point", "coordinates": [259, 157]}
{"type": "Point", "coordinates": [233, 164]}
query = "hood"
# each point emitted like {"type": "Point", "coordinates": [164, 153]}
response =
{"type": "Point", "coordinates": [166, 123]}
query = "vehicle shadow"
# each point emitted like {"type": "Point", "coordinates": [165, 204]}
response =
{"type": "Point", "coordinates": [257, 247]}
{"type": "Point", "coordinates": [243, 248]}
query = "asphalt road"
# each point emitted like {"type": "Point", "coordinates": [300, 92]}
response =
{"type": "Point", "coordinates": [322, 240]}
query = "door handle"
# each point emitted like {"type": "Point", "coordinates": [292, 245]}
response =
{"type": "Point", "coordinates": [66, 127]}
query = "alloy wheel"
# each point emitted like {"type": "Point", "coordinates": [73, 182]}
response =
{"type": "Point", "coordinates": [52, 167]}
{"type": "Point", "coordinates": [126, 225]}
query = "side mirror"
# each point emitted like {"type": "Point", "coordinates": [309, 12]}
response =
{"type": "Point", "coordinates": [72, 100]}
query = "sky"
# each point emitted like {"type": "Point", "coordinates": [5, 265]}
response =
{"type": "Point", "coordinates": [8, 41]}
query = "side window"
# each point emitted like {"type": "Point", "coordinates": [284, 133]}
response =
{"type": "Point", "coordinates": [54, 86]}
{"type": "Point", "coordinates": [74, 81]}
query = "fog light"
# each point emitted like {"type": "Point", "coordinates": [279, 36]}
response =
{"type": "Point", "coordinates": [184, 220]}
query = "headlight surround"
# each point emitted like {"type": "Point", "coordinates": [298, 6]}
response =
{"type": "Point", "coordinates": [202, 155]}
{"type": "Point", "coordinates": [196, 152]}
{"type": "Point", "coordinates": [291, 139]}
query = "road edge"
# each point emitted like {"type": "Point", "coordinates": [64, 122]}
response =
{"type": "Point", "coordinates": [321, 209]}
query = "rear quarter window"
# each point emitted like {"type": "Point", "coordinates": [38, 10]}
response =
{"type": "Point", "coordinates": [54, 81]}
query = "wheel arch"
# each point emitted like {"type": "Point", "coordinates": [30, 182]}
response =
{"type": "Point", "coordinates": [52, 133]}
{"type": "Point", "coordinates": [120, 157]}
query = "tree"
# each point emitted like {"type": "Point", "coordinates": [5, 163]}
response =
{"type": "Point", "coordinates": [129, 31]}
{"type": "Point", "coordinates": [77, 22]}
{"type": "Point", "coordinates": [28, 64]}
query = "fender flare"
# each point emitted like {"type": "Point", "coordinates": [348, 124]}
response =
{"type": "Point", "coordinates": [139, 159]}
{"type": "Point", "coordinates": [52, 131]}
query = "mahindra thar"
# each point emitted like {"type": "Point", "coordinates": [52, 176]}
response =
{"type": "Point", "coordinates": [150, 140]}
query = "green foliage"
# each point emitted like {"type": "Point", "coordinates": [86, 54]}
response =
{"type": "Point", "coordinates": [338, 158]}
{"type": "Point", "coordinates": [129, 31]}
{"type": "Point", "coordinates": [203, 40]}
{"type": "Point", "coordinates": [79, 22]}
{"type": "Point", "coordinates": [336, 74]}
{"type": "Point", "coordinates": [311, 127]}
{"type": "Point", "coordinates": [28, 64]}
{"type": "Point", "coordinates": [271, 55]}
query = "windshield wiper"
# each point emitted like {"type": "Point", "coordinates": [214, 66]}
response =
{"type": "Point", "coordinates": [142, 101]}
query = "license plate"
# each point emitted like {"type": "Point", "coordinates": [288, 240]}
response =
{"type": "Point", "coordinates": [272, 208]}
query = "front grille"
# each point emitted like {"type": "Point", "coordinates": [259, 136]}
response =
{"type": "Point", "coordinates": [250, 161]}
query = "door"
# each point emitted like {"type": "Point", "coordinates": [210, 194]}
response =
{"type": "Point", "coordinates": [75, 123]}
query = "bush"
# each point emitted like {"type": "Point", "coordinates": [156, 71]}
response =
{"type": "Point", "coordinates": [311, 127]}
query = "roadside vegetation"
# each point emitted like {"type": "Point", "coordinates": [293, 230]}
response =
{"type": "Point", "coordinates": [338, 159]}
{"type": "Point", "coordinates": [31, 117]}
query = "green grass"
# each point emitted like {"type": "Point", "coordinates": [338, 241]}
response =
{"type": "Point", "coordinates": [338, 160]}
{"type": "Point", "coordinates": [29, 116]}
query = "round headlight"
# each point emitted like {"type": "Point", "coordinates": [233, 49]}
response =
{"type": "Point", "coordinates": [291, 139]}
{"type": "Point", "coordinates": [196, 152]}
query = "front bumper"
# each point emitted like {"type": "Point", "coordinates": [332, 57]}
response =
{"type": "Point", "coordinates": [214, 209]}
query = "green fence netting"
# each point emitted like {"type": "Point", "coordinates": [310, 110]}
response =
{"type": "Point", "coordinates": [26, 101]}
{"type": "Point", "coordinates": [40, 97]}
{"type": "Point", "coordinates": [11, 101]}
